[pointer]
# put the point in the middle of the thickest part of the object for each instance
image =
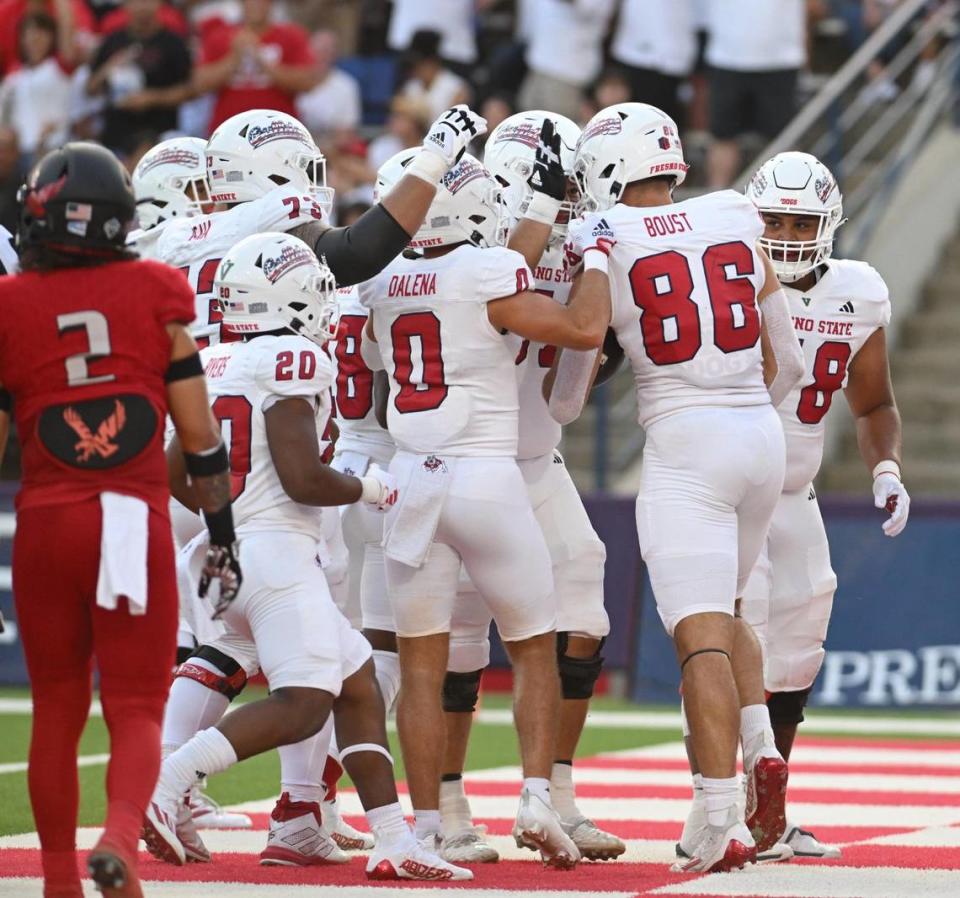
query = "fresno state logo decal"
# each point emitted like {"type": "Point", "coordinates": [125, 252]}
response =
{"type": "Point", "coordinates": [824, 187]}
{"type": "Point", "coordinates": [525, 132]}
{"type": "Point", "coordinates": [169, 156]}
{"type": "Point", "coordinates": [258, 135]}
{"type": "Point", "coordinates": [460, 175]}
{"type": "Point", "coordinates": [605, 126]}
{"type": "Point", "coordinates": [291, 257]}
{"type": "Point", "coordinates": [758, 184]}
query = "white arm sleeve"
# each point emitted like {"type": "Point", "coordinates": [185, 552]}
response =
{"type": "Point", "coordinates": [785, 346]}
{"type": "Point", "coordinates": [370, 352]}
{"type": "Point", "coordinates": [571, 385]}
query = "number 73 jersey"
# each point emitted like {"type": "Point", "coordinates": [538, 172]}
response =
{"type": "Point", "coordinates": [832, 320]}
{"type": "Point", "coordinates": [684, 280]}
{"type": "Point", "coordinates": [244, 380]}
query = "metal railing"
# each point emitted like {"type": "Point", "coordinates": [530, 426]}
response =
{"type": "Point", "coordinates": [866, 143]}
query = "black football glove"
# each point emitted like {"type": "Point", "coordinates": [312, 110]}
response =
{"type": "Point", "coordinates": [222, 564]}
{"type": "Point", "coordinates": [548, 175]}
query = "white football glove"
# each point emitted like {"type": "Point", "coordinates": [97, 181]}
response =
{"type": "Point", "coordinates": [891, 494]}
{"type": "Point", "coordinates": [584, 234]}
{"type": "Point", "coordinates": [449, 136]}
{"type": "Point", "coordinates": [379, 488]}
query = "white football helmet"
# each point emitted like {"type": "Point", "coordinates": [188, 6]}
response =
{"type": "Point", "coordinates": [255, 152]}
{"type": "Point", "coordinates": [269, 282]}
{"type": "Point", "coordinates": [798, 184]}
{"type": "Point", "coordinates": [170, 181]}
{"type": "Point", "coordinates": [624, 143]}
{"type": "Point", "coordinates": [510, 153]}
{"type": "Point", "coordinates": [467, 207]}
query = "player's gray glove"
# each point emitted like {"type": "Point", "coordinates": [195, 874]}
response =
{"type": "Point", "coordinates": [446, 141]}
{"type": "Point", "coordinates": [548, 175]}
{"type": "Point", "coordinates": [889, 493]}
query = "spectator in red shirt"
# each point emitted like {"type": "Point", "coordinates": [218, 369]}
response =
{"type": "Point", "coordinates": [75, 30]}
{"type": "Point", "coordinates": [258, 64]}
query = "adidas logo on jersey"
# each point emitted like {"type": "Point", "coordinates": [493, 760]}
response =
{"type": "Point", "coordinates": [813, 495]}
{"type": "Point", "coordinates": [805, 300]}
{"type": "Point", "coordinates": [847, 308]}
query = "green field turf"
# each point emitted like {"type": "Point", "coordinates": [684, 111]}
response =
{"type": "Point", "coordinates": [257, 778]}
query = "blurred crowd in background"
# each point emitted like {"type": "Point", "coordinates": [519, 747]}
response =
{"type": "Point", "coordinates": [368, 76]}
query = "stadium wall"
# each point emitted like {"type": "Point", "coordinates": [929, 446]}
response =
{"type": "Point", "coordinates": [894, 639]}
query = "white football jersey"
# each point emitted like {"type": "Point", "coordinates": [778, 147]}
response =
{"type": "Point", "coordinates": [353, 383]}
{"type": "Point", "coordinates": [833, 320]}
{"type": "Point", "coordinates": [539, 433]}
{"type": "Point", "coordinates": [244, 380]}
{"type": "Point", "coordinates": [453, 384]}
{"type": "Point", "coordinates": [684, 280]}
{"type": "Point", "coordinates": [196, 245]}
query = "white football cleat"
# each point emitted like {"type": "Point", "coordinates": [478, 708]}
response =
{"type": "Point", "coordinates": [160, 831]}
{"type": "Point", "coordinates": [413, 860]}
{"type": "Point", "coordinates": [297, 838]}
{"type": "Point", "coordinates": [719, 849]}
{"type": "Point", "coordinates": [346, 836]}
{"type": "Point", "coordinates": [766, 809]}
{"type": "Point", "coordinates": [193, 848]}
{"type": "Point", "coordinates": [207, 814]}
{"type": "Point", "coordinates": [593, 843]}
{"type": "Point", "coordinates": [469, 847]}
{"type": "Point", "coordinates": [538, 827]}
{"type": "Point", "coordinates": [804, 843]}
{"type": "Point", "coordinates": [696, 820]}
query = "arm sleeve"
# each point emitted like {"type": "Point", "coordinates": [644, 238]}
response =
{"type": "Point", "coordinates": [785, 345]}
{"type": "Point", "coordinates": [362, 250]}
{"type": "Point", "coordinates": [571, 384]}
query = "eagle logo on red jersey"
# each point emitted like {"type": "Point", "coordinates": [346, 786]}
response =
{"type": "Point", "coordinates": [99, 443]}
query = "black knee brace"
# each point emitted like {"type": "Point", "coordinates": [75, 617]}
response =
{"type": "Point", "coordinates": [234, 677]}
{"type": "Point", "coordinates": [578, 676]}
{"type": "Point", "coordinates": [787, 707]}
{"type": "Point", "coordinates": [461, 691]}
{"type": "Point", "coordinates": [184, 652]}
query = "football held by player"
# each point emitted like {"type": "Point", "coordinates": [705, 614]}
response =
{"type": "Point", "coordinates": [94, 350]}
{"type": "Point", "coordinates": [686, 282]}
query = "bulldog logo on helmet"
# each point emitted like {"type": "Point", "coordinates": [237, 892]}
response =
{"type": "Point", "coordinates": [258, 135]}
{"type": "Point", "coordinates": [824, 187]}
{"type": "Point", "coordinates": [291, 257]}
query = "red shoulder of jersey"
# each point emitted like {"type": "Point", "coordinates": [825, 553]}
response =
{"type": "Point", "coordinates": [169, 292]}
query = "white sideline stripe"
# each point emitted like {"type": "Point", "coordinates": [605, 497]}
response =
{"type": "Point", "coordinates": [8, 523]}
{"type": "Point", "coordinates": [857, 757]}
{"type": "Point", "coordinates": [932, 837]}
{"type": "Point", "coordinates": [25, 706]}
{"type": "Point", "coordinates": [811, 881]}
{"type": "Point", "coordinates": [82, 761]}
{"type": "Point", "coordinates": [32, 888]}
{"type": "Point", "coordinates": [853, 781]}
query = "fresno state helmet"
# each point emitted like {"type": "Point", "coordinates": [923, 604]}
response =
{"type": "Point", "coordinates": [467, 208]}
{"type": "Point", "coordinates": [170, 181]}
{"type": "Point", "coordinates": [798, 184]}
{"type": "Point", "coordinates": [77, 199]}
{"type": "Point", "coordinates": [274, 282]}
{"type": "Point", "coordinates": [510, 153]}
{"type": "Point", "coordinates": [624, 143]}
{"type": "Point", "coordinates": [257, 151]}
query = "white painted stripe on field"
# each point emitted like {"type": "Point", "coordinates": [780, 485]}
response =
{"type": "Point", "coordinates": [811, 881]}
{"type": "Point", "coordinates": [857, 757]}
{"type": "Point", "coordinates": [853, 781]}
{"type": "Point", "coordinates": [32, 888]}
{"type": "Point", "coordinates": [932, 837]}
{"type": "Point", "coordinates": [25, 706]}
{"type": "Point", "coordinates": [82, 761]}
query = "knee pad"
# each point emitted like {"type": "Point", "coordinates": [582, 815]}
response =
{"type": "Point", "coordinates": [183, 652]}
{"type": "Point", "coordinates": [787, 707]}
{"type": "Point", "coordinates": [794, 650]}
{"type": "Point", "coordinates": [578, 676]}
{"type": "Point", "coordinates": [461, 691]}
{"type": "Point", "coordinates": [229, 679]}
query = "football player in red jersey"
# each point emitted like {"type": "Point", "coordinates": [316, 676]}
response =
{"type": "Point", "coordinates": [94, 351]}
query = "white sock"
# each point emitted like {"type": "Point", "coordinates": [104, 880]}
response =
{"type": "Point", "coordinates": [191, 707]}
{"type": "Point", "coordinates": [301, 765]}
{"type": "Point", "coordinates": [720, 796]}
{"type": "Point", "coordinates": [386, 666]}
{"type": "Point", "coordinates": [561, 791]}
{"type": "Point", "coordinates": [539, 786]}
{"type": "Point", "coordinates": [426, 823]}
{"type": "Point", "coordinates": [208, 752]}
{"type": "Point", "coordinates": [698, 787]}
{"type": "Point", "coordinates": [755, 732]}
{"type": "Point", "coordinates": [454, 808]}
{"type": "Point", "coordinates": [388, 826]}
